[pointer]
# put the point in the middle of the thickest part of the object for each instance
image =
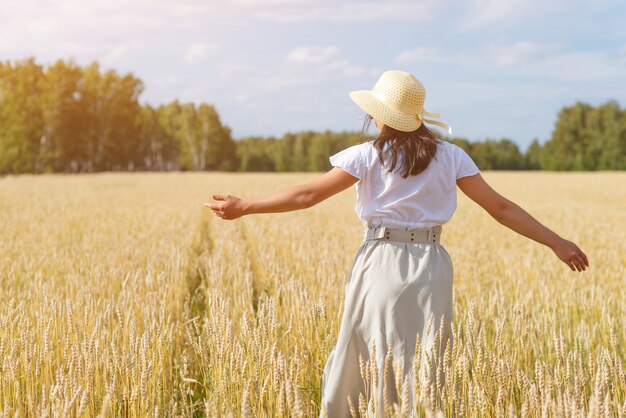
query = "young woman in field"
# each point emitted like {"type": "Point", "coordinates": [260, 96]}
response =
{"type": "Point", "coordinates": [399, 291]}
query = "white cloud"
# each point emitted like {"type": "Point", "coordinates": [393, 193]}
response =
{"type": "Point", "coordinates": [65, 28]}
{"type": "Point", "coordinates": [621, 53]}
{"type": "Point", "coordinates": [548, 60]}
{"type": "Point", "coordinates": [334, 10]}
{"type": "Point", "coordinates": [325, 59]}
{"type": "Point", "coordinates": [417, 54]}
{"type": "Point", "coordinates": [95, 29]}
{"type": "Point", "coordinates": [198, 51]}
{"type": "Point", "coordinates": [116, 54]}
{"type": "Point", "coordinates": [75, 12]}
{"type": "Point", "coordinates": [542, 60]}
{"type": "Point", "coordinates": [590, 66]}
{"type": "Point", "coordinates": [502, 54]}
{"type": "Point", "coordinates": [165, 81]}
{"type": "Point", "coordinates": [518, 53]}
{"type": "Point", "coordinates": [313, 54]}
{"type": "Point", "coordinates": [486, 12]}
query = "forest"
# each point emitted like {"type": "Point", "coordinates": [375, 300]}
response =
{"type": "Point", "coordinates": [71, 119]}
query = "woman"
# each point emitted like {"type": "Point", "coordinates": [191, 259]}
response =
{"type": "Point", "coordinates": [399, 292]}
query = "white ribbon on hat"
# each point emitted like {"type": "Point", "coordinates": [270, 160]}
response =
{"type": "Point", "coordinates": [420, 116]}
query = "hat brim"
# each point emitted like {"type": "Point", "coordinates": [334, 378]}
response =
{"type": "Point", "coordinates": [388, 115]}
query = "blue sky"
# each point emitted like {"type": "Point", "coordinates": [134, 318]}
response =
{"type": "Point", "coordinates": [493, 69]}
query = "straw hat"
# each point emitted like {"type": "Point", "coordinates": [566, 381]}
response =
{"type": "Point", "coordinates": [397, 99]}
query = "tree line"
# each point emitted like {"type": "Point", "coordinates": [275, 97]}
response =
{"type": "Point", "coordinates": [68, 118]}
{"type": "Point", "coordinates": [585, 138]}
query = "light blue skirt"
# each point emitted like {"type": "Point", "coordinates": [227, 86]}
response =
{"type": "Point", "coordinates": [394, 289]}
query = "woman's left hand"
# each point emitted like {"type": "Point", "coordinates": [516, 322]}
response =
{"type": "Point", "coordinates": [232, 208]}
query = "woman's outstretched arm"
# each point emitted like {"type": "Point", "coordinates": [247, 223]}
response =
{"type": "Point", "coordinates": [295, 198]}
{"type": "Point", "coordinates": [514, 217]}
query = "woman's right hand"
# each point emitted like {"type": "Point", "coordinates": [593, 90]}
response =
{"type": "Point", "coordinates": [571, 255]}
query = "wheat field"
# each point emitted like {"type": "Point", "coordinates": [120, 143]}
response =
{"type": "Point", "coordinates": [120, 295]}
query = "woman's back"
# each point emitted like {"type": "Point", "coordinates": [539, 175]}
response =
{"type": "Point", "coordinates": [420, 201]}
{"type": "Point", "coordinates": [399, 289]}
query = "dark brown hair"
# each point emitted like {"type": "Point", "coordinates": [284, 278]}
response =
{"type": "Point", "coordinates": [417, 147]}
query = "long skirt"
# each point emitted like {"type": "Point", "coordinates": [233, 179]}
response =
{"type": "Point", "coordinates": [398, 295]}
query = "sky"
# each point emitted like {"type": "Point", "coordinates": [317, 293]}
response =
{"type": "Point", "coordinates": [492, 68]}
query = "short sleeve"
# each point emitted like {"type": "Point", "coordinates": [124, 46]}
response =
{"type": "Point", "coordinates": [350, 160]}
{"type": "Point", "coordinates": [465, 166]}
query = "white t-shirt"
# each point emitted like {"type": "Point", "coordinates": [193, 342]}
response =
{"type": "Point", "coordinates": [421, 201]}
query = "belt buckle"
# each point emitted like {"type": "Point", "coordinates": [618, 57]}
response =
{"type": "Point", "coordinates": [377, 233]}
{"type": "Point", "coordinates": [381, 232]}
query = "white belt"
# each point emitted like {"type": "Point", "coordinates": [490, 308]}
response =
{"type": "Point", "coordinates": [385, 233]}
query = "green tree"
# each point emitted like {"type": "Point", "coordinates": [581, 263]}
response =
{"type": "Point", "coordinates": [65, 117]}
{"type": "Point", "coordinates": [609, 141]}
{"type": "Point", "coordinates": [587, 138]}
{"type": "Point", "coordinates": [566, 150]}
{"type": "Point", "coordinates": [158, 148]}
{"type": "Point", "coordinates": [22, 142]}
{"type": "Point", "coordinates": [532, 158]}
{"type": "Point", "coordinates": [255, 154]}
{"type": "Point", "coordinates": [219, 149]}
{"type": "Point", "coordinates": [204, 143]}
{"type": "Point", "coordinates": [122, 113]}
{"type": "Point", "coordinates": [319, 150]}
